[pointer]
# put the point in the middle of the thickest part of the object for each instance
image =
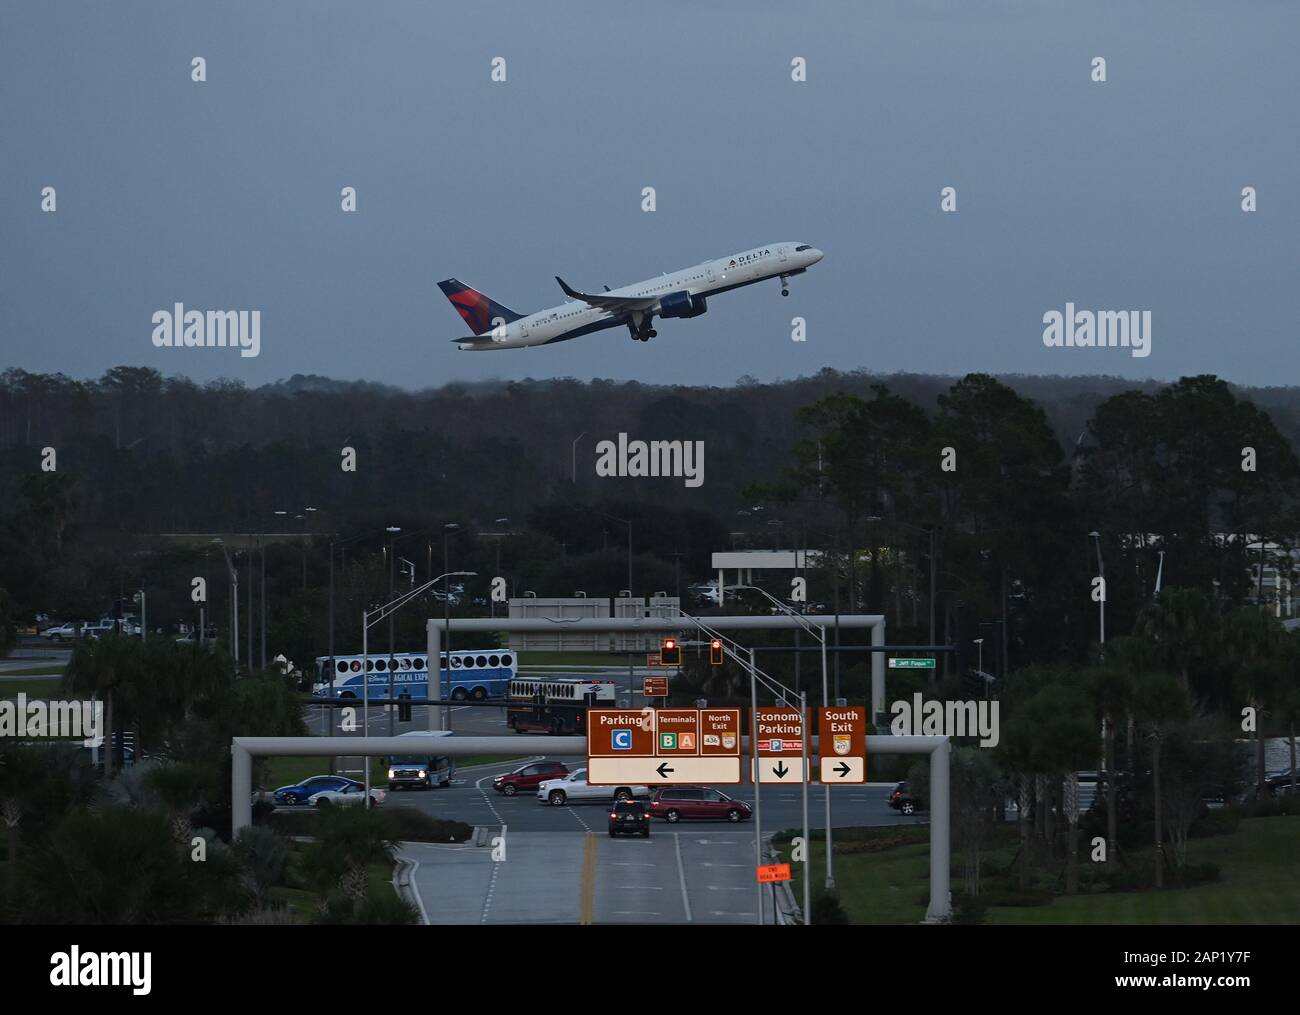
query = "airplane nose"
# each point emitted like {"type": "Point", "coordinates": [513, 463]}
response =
{"type": "Point", "coordinates": [817, 255]}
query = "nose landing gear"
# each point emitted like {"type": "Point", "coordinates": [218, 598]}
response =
{"type": "Point", "coordinates": [785, 285]}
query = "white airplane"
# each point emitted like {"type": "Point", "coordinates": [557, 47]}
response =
{"type": "Point", "coordinates": [679, 294]}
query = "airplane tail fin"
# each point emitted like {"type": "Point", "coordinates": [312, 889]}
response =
{"type": "Point", "coordinates": [479, 311]}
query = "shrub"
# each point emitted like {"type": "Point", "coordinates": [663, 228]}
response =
{"type": "Point", "coordinates": [1222, 821]}
{"type": "Point", "coordinates": [1194, 874]}
{"type": "Point", "coordinates": [969, 909]}
{"type": "Point", "coordinates": [408, 824]}
{"type": "Point", "coordinates": [1013, 898]}
{"type": "Point", "coordinates": [826, 909]}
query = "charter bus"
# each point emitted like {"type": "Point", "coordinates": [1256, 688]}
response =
{"type": "Point", "coordinates": [558, 705]}
{"type": "Point", "coordinates": [478, 675]}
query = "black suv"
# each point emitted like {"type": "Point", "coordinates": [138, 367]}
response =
{"type": "Point", "coordinates": [629, 816]}
{"type": "Point", "coordinates": [900, 798]}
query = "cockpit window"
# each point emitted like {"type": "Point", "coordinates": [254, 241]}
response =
{"type": "Point", "coordinates": [803, 246]}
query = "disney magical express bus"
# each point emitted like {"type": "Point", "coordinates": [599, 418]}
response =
{"type": "Point", "coordinates": [475, 675]}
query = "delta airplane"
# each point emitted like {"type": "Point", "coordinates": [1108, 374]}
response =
{"type": "Point", "coordinates": [680, 294]}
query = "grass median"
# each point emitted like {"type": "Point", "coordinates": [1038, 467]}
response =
{"type": "Point", "coordinates": [882, 877]}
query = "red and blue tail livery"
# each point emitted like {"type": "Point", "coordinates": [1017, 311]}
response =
{"type": "Point", "coordinates": [480, 312]}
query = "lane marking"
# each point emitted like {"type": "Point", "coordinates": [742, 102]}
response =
{"type": "Point", "coordinates": [492, 884]}
{"type": "Point", "coordinates": [578, 817]}
{"type": "Point", "coordinates": [588, 880]}
{"type": "Point", "coordinates": [491, 806]}
{"type": "Point", "coordinates": [681, 875]}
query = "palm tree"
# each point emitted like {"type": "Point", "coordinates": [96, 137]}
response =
{"type": "Point", "coordinates": [1182, 624]}
{"type": "Point", "coordinates": [181, 788]}
{"type": "Point", "coordinates": [1110, 686]}
{"type": "Point", "coordinates": [1159, 700]}
{"type": "Point", "coordinates": [104, 667]}
{"type": "Point", "coordinates": [1261, 654]}
{"type": "Point", "coordinates": [351, 839]}
{"type": "Point", "coordinates": [1068, 739]}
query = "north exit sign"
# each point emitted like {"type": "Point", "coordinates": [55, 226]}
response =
{"type": "Point", "coordinates": [911, 664]}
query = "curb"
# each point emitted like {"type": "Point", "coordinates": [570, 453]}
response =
{"type": "Point", "coordinates": [788, 911]}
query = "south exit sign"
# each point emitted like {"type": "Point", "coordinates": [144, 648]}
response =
{"type": "Point", "coordinates": [911, 664]}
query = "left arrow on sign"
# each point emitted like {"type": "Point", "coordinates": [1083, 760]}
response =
{"type": "Point", "coordinates": [663, 769]}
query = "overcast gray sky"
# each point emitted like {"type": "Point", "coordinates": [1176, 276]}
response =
{"type": "Point", "coordinates": [225, 194]}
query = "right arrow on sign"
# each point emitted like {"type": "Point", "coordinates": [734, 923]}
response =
{"type": "Point", "coordinates": [843, 769]}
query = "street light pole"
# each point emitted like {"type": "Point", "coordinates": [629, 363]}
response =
{"type": "Point", "coordinates": [379, 613]}
{"type": "Point", "coordinates": [819, 634]}
{"type": "Point", "coordinates": [447, 530]}
{"type": "Point", "coordinates": [1101, 573]}
{"type": "Point", "coordinates": [575, 456]}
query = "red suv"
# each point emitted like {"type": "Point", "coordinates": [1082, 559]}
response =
{"type": "Point", "coordinates": [697, 802]}
{"type": "Point", "coordinates": [529, 777]}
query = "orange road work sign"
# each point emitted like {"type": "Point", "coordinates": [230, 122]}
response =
{"type": "Point", "coordinates": [773, 872]}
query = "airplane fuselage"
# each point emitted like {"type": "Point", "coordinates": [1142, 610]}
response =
{"type": "Point", "coordinates": [664, 293]}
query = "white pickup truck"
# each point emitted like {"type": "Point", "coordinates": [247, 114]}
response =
{"type": "Point", "coordinates": [558, 792]}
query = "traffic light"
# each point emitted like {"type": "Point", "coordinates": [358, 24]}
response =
{"type": "Point", "coordinates": [671, 653]}
{"type": "Point", "coordinates": [715, 652]}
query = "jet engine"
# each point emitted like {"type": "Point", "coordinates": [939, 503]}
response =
{"type": "Point", "coordinates": [682, 304]}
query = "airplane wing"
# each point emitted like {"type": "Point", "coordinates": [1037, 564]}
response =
{"type": "Point", "coordinates": [623, 304]}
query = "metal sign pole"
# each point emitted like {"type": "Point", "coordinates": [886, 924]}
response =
{"type": "Point", "coordinates": [758, 811]}
{"type": "Point", "coordinates": [830, 852]}
{"type": "Point", "coordinates": [807, 842]}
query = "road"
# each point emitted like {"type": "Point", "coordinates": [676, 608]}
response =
{"type": "Point", "coordinates": [561, 866]}
{"type": "Point", "coordinates": [679, 875]}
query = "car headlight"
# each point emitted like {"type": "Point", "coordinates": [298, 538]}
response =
{"type": "Point", "coordinates": [423, 773]}
{"type": "Point", "coordinates": [392, 774]}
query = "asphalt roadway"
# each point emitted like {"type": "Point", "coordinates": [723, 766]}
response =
{"type": "Point", "coordinates": [558, 865]}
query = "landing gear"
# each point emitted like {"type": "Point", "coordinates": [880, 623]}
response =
{"type": "Point", "coordinates": [642, 330]}
{"type": "Point", "coordinates": [785, 285]}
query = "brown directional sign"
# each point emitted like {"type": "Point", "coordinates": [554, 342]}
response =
{"type": "Point", "coordinates": [677, 732]}
{"type": "Point", "coordinates": [663, 747]}
{"type": "Point", "coordinates": [655, 687]}
{"type": "Point", "coordinates": [620, 733]}
{"type": "Point", "coordinates": [720, 731]}
{"type": "Point", "coordinates": [778, 747]}
{"type": "Point", "coordinates": [842, 744]}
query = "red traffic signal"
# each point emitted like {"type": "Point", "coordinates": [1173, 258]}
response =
{"type": "Point", "coordinates": [715, 652]}
{"type": "Point", "coordinates": [671, 653]}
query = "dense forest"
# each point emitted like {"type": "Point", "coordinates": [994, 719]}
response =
{"type": "Point", "coordinates": [1006, 477]}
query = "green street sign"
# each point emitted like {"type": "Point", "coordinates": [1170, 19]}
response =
{"type": "Point", "coordinates": [911, 664]}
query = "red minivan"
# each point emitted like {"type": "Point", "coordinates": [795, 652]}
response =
{"type": "Point", "coordinates": [683, 802]}
{"type": "Point", "coordinates": [529, 777]}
